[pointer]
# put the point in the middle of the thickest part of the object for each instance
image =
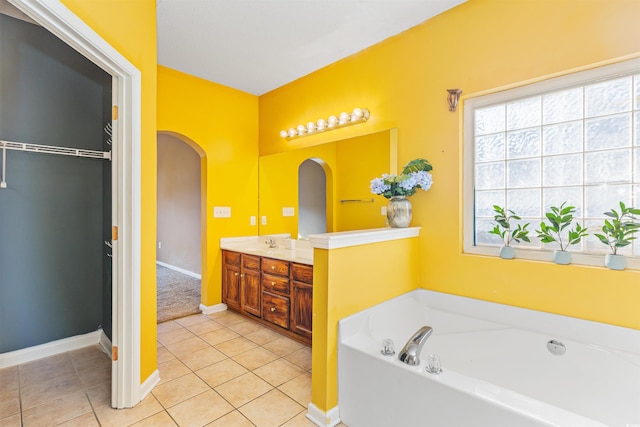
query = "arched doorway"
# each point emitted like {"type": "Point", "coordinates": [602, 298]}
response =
{"type": "Point", "coordinates": [312, 198]}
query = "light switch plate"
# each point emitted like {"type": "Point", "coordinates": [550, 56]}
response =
{"type": "Point", "coordinates": [288, 211]}
{"type": "Point", "coordinates": [252, 220]}
{"type": "Point", "coordinates": [383, 210]}
{"type": "Point", "coordinates": [221, 212]}
{"type": "Point", "coordinates": [264, 220]}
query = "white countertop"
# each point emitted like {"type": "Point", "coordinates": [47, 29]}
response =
{"type": "Point", "coordinates": [286, 249]}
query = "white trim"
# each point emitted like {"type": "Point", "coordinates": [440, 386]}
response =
{"type": "Point", "coordinates": [213, 308]}
{"type": "Point", "coordinates": [52, 348]}
{"type": "Point", "coordinates": [179, 270]}
{"type": "Point", "coordinates": [105, 344]}
{"type": "Point", "coordinates": [149, 384]}
{"type": "Point", "coordinates": [345, 239]}
{"type": "Point", "coordinates": [320, 418]}
{"type": "Point", "coordinates": [126, 94]}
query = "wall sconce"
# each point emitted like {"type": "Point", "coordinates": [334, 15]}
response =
{"type": "Point", "coordinates": [453, 98]}
{"type": "Point", "coordinates": [358, 115]}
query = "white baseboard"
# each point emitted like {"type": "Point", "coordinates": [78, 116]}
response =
{"type": "Point", "coordinates": [180, 270]}
{"type": "Point", "coordinates": [213, 308]}
{"type": "Point", "coordinates": [320, 418]}
{"type": "Point", "coordinates": [149, 384]}
{"type": "Point", "coordinates": [29, 354]}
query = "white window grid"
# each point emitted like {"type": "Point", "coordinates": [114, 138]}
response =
{"type": "Point", "coordinates": [523, 153]}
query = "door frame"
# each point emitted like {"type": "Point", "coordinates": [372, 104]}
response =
{"type": "Point", "coordinates": [126, 95]}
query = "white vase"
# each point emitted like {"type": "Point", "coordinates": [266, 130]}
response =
{"type": "Point", "coordinates": [562, 257]}
{"type": "Point", "coordinates": [615, 262]}
{"type": "Point", "coordinates": [399, 212]}
{"type": "Point", "coordinates": [507, 252]}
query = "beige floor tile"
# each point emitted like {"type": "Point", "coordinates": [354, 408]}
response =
{"type": "Point", "coordinates": [200, 410]}
{"type": "Point", "coordinates": [219, 336]}
{"type": "Point", "coordinates": [95, 375]}
{"type": "Point", "coordinates": [64, 408]}
{"type": "Point", "coordinates": [271, 409]}
{"type": "Point", "coordinates": [100, 395]}
{"type": "Point", "coordinates": [235, 346]}
{"type": "Point", "coordinates": [255, 358]}
{"type": "Point", "coordinates": [301, 358]}
{"type": "Point", "coordinates": [89, 357]}
{"type": "Point", "coordinates": [243, 389]}
{"type": "Point", "coordinates": [263, 336]}
{"type": "Point", "coordinates": [9, 402]}
{"type": "Point", "coordinates": [232, 419]}
{"type": "Point", "coordinates": [221, 372]}
{"type": "Point", "coordinates": [32, 373]}
{"type": "Point", "coordinates": [204, 327]}
{"type": "Point", "coordinates": [178, 390]}
{"type": "Point", "coordinates": [244, 328]}
{"type": "Point", "coordinates": [109, 417]}
{"type": "Point", "coordinates": [202, 358]}
{"type": "Point", "coordinates": [171, 370]}
{"type": "Point", "coordinates": [49, 389]}
{"type": "Point", "coordinates": [85, 420]}
{"type": "Point", "coordinates": [9, 379]}
{"type": "Point", "coordinates": [16, 421]}
{"type": "Point", "coordinates": [192, 320]}
{"type": "Point", "coordinates": [299, 389]}
{"type": "Point", "coordinates": [278, 372]}
{"type": "Point", "coordinates": [164, 355]}
{"type": "Point", "coordinates": [168, 326]}
{"type": "Point", "coordinates": [283, 346]}
{"type": "Point", "coordinates": [161, 419]}
{"type": "Point", "coordinates": [174, 336]}
{"type": "Point", "coordinates": [190, 345]}
{"type": "Point", "coordinates": [300, 420]}
{"type": "Point", "coordinates": [227, 318]}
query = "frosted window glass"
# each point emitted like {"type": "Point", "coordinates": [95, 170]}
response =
{"type": "Point", "coordinates": [603, 167]}
{"type": "Point", "coordinates": [525, 202]}
{"type": "Point", "coordinates": [523, 143]}
{"type": "Point", "coordinates": [523, 173]}
{"type": "Point", "coordinates": [562, 170]}
{"type": "Point", "coordinates": [608, 132]}
{"type": "Point", "coordinates": [555, 196]}
{"type": "Point", "coordinates": [636, 95]}
{"type": "Point", "coordinates": [602, 198]}
{"type": "Point", "coordinates": [524, 113]}
{"type": "Point", "coordinates": [490, 147]}
{"type": "Point", "coordinates": [490, 176]}
{"type": "Point", "coordinates": [562, 138]}
{"type": "Point", "coordinates": [485, 201]}
{"type": "Point", "coordinates": [562, 106]}
{"type": "Point", "coordinates": [636, 171]}
{"type": "Point", "coordinates": [608, 97]}
{"type": "Point", "coordinates": [489, 120]}
{"type": "Point", "coordinates": [483, 226]}
{"type": "Point", "coordinates": [637, 128]}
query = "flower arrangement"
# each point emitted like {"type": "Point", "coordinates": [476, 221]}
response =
{"type": "Point", "coordinates": [415, 175]}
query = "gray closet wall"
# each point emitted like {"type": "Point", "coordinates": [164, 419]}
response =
{"type": "Point", "coordinates": [55, 275]}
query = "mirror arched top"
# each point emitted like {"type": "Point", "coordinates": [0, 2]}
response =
{"type": "Point", "coordinates": [350, 164]}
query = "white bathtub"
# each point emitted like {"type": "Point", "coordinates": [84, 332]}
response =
{"type": "Point", "coordinates": [497, 370]}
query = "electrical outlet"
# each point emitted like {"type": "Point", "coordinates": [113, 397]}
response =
{"type": "Point", "coordinates": [383, 210]}
{"type": "Point", "coordinates": [252, 220]}
{"type": "Point", "coordinates": [221, 212]}
{"type": "Point", "coordinates": [159, 245]}
{"type": "Point", "coordinates": [288, 211]}
{"type": "Point", "coordinates": [264, 220]}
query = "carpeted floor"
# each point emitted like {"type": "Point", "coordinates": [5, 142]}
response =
{"type": "Point", "coordinates": [178, 294]}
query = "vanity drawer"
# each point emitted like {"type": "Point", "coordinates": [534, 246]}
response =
{"type": "Point", "coordinates": [271, 283]}
{"type": "Point", "coordinates": [275, 266]}
{"type": "Point", "coordinates": [275, 309]}
{"type": "Point", "coordinates": [251, 262]}
{"type": "Point", "coordinates": [231, 258]}
{"type": "Point", "coordinates": [302, 273]}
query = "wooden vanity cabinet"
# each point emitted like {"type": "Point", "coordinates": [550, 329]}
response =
{"type": "Point", "coordinates": [302, 297]}
{"type": "Point", "coordinates": [275, 292]}
{"type": "Point", "coordinates": [241, 282]}
{"type": "Point", "coordinates": [231, 279]}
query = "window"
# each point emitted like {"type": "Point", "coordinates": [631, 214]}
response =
{"type": "Point", "coordinates": [573, 139]}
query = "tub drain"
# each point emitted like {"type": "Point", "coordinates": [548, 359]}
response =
{"type": "Point", "coordinates": [556, 347]}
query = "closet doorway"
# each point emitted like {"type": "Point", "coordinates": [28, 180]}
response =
{"type": "Point", "coordinates": [179, 227]}
{"type": "Point", "coordinates": [125, 213]}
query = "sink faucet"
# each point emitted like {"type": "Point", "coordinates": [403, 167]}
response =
{"type": "Point", "coordinates": [271, 242]}
{"type": "Point", "coordinates": [410, 354]}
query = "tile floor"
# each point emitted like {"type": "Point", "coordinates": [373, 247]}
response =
{"type": "Point", "coordinates": [221, 370]}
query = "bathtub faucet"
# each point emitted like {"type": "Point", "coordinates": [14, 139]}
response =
{"type": "Point", "coordinates": [411, 351]}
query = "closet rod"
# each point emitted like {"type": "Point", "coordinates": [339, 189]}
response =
{"type": "Point", "coordinates": [50, 149]}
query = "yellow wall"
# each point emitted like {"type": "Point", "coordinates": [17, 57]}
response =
{"type": "Point", "coordinates": [223, 123]}
{"type": "Point", "coordinates": [130, 27]}
{"type": "Point", "coordinates": [478, 46]}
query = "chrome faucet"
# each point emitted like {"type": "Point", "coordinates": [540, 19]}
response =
{"type": "Point", "coordinates": [410, 354]}
{"type": "Point", "coordinates": [271, 242]}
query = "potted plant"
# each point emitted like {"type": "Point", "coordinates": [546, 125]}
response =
{"type": "Point", "coordinates": [559, 219]}
{"type": "Point", "coordinates": [617, 233]}
{"type": "Point", "coordinates": [415, 175]}
{"type": "Point", "coordinates": [503, 229]}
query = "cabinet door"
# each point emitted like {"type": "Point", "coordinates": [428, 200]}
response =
{"type": "Point", "coordinates": [302, 309]}
{"type": "Point", "coordinates": [231, 286]}
{"type": "Point", "coordinates": [250, 287]}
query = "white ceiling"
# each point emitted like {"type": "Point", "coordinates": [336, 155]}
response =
{"type": "Point", "coordinates": [259, 45]}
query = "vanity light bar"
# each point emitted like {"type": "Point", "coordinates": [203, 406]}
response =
{"type": "Point", "coordinates": [358, 115]}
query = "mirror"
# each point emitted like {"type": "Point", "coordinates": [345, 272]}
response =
{"type": "Point", "coordinates": [349, 165]}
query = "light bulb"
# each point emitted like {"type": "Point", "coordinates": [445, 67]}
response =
{"type": "Point", "coordinates": [311, 127]}
{"type": "Point", "coordinates": [344, 118]}
{"type": "Point", "coordinates": [321, 124]}
{"type": "Point", "coordinates": [292, 132]}
{"type": "Point", "coordinates": [332, 121]}
{"type": "Point", "coordinates": [283, 133]}
{"type": "Point", "coordinates": [356, 114]}
{"type": "Point", "coordinates": [301, 129]}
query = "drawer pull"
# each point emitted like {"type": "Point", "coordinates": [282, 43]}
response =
{"type": "Point", "coordinates": [273, 283]}
{"type": "Point", "coordinates": [235, 274]}
{"type": "Point", "coordinates": [242, 275]}
{"type": "Point", "coordinates": [273, 267]}
{"type": "Point", "coordinates": [273, 309]}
